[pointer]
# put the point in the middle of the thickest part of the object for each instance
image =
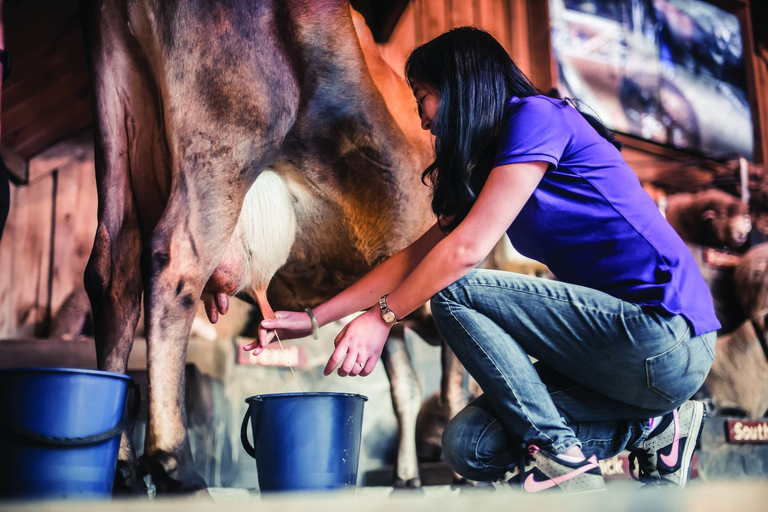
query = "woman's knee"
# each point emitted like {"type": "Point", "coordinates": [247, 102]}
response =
{"type": "Point", "coordinates": [451, 294]}
{"type": "Point", "coordinates": [457, 449]}
{"type": "Point", "coordinates": [465, 446]}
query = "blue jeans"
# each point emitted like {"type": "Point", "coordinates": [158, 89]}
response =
{"type": "Point", "coordinates": [604, 367]}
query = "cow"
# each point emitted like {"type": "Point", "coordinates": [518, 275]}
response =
{"type": "Point", "coordinates": [738, 380]}
{"type": "Point", "coordinates": [711, 217]}
{"type": "Point", "coordinates": [193, 100]}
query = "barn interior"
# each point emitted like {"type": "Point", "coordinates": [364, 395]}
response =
{"type": "Point", "coordinates": [47, 145]}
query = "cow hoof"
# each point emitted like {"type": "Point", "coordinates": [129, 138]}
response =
{"type": "Point", "coordinates": [412, 483]}
{"type": "Point", "coordinates": [460, 481]}
{"type": "Point", "coordinates": [407, 491]}
{"type": "Point", "coordinates": [128, 481]}
{"type": "Point", "coordinates": [471, 485]}
{"type": "Point", "coordinates": [169, 476]}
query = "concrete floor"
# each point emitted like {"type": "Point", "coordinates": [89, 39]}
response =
{"type": "Point", "coordinates": [720, 496]}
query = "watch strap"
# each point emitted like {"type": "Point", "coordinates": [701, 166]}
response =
{"type": "Point", "coordinates": [385, 309]}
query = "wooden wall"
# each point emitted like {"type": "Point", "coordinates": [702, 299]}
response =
{"type": "Point", "coordinates": [520, 25]}
{"type": "Point", "coordinates": [50, 230]}
{"type": "Point", "coordinates": [46, 97]}
{"type": "Point", "coordinates": [48, 237]}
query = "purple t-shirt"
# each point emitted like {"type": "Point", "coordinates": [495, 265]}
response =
{"type": "Point", "coordinates": [589, 220]}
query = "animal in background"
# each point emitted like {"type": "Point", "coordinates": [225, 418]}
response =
{"type": "Point", "coordinates": [750, 279]}
{"type": "Point", "coordinates": [738, 380]}
{"type": "Point", "coordinates": [739, 376]}
{"type": "Point", "coordinates": [712, 218]}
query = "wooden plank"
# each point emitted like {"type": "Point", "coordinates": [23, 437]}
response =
{"type": "Point", "coordinates": [542, 67]}
{"type": "Point", "coordinates": [34, 69]}
{"type": "Point", "coordinates": [432, 16]}
{"type": "Point", "coordinates": [63, 154]}
{"type": "Point", "coordinates": [23, 15]}
{"type": "Point", "coordinates": [8, 322]}
{"type": "Point", "coordinates": [462, 13]}
{"type": "Point", "coordinates": [50, 98]}
{"type": "Point", "coordinates": [61, 62]}
{"type": "Point", "coordinates": [75, 220]}
{"type": "Point", "coordinates": [493, 18]}
{"type": "Point", "coordinates": [26, 249]}
{"type": "Point", "coordinates": [761, 85]}
{"type": "Point", "coordinates": [16, 164]}
{"type": "Point", "coordinates": [60, 124]}
{"type": "Point", "coordinates": [402, 42]}
{"type": "Point", "coordinates": [519, 44]}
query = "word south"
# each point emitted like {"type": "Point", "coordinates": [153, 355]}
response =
{"type": "Point", "coordinates": [754, 432]}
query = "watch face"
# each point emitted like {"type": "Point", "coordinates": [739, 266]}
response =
{"type": "Point", "coordinates": [389, 317]}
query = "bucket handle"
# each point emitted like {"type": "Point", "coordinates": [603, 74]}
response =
{"type": "Point", "coordinates": [81, 441]}
{"type": "Point", "coordinates": [244, 435]}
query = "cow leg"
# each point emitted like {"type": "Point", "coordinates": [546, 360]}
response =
{"type": "Point", "coordinates": [181, 260]}
{"type": "Point", "coordinates": [188, 243]}
{"type": "Point", "coordinates": [453, 397]}
{"type": "Point", "coordinates": [452, 393]}
{"type": "Point", "coordinates": [406, 401]}
{"type": "Point", "coordinates": [113, 282]}
{"type": "Point", "coordinates": [123, 101]}
{"type": "Point", "coordinates": [113, 275]}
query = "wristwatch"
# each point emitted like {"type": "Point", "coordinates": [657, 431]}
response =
{"type": "Point", "coordinates": [387, 314]}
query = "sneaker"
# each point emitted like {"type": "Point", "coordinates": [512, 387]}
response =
{"type": "Point", "coordinates": [542, 473]}
{"type": "Point", "coordinates": [665, 457]}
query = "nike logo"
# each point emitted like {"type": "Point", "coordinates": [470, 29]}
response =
{"type": "Point", "coordinates": [533, 485]}
{"type": "Point", "coordinates": [671, 459]}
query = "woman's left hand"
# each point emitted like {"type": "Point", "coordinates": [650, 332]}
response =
{"type": "Point", "coordinates": [359, 345]}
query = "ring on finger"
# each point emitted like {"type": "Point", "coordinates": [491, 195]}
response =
{"type": "Point", "coordinates": [361, 364]}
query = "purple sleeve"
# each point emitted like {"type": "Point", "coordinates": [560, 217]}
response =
{"type": "Point", "coordinates": [534, 130]}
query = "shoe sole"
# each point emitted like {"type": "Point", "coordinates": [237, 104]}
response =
{"type": "Point", "coordinates": [696, 426]}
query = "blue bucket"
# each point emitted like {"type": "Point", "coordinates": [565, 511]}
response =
{"type": "Point", "coordinates": [305, 441]}
{"type": "Point", "coordinates": [60, 431]}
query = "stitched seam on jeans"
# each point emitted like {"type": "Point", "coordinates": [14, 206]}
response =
{"type": "Point", "coordinates": [568, 389]}
{"type": "Point", "coordinates": [477, 456]}
{"type": "Point", "coordinates": [609, 440]}
{"type": "Point", "coordinates": [504, 377]}
{"type": "Point", "coordinates": [559, 299]}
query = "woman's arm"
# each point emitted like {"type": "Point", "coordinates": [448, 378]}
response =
{"type": "Point", "coordinates": [504, 194]}
{"type": "Point", "coordinates": [379, 281]}
{"type": "Point", "coordinates": [362, 294]}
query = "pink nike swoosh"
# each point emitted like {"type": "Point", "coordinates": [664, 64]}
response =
{"type": "Point", "coordinates": [671, 459]}
{"type": "Point", "coordinates": [533, 485]}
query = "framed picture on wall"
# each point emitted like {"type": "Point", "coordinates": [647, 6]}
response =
{"type": "Point", "coordinates": [671, 72]}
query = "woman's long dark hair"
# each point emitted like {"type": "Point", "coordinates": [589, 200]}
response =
{"type": "Point", "coordinates": [475, 78]}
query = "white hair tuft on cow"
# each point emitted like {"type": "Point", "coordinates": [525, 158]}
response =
{"type": "Point", "coordinates": [265, 231]}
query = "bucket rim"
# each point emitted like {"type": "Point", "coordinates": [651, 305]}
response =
{"type": "Point", "coordinates": [259, 398]}
{"type": "Point", "coordinates": [50, 369]}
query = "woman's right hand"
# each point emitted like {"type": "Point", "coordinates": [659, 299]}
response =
{"type": "Point", "coordinates": [288, 325]}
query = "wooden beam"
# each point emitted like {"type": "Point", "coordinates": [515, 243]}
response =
{"type": "Point", "coordinates": [18, 167]}
{"type": "Point", "coordinates": [757, 85]}
{"type": "Point", "coordinates": [542, 68]}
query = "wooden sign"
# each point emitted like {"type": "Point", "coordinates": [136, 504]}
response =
{"type": "Point", "coordinates": [293, 356]}
{"type": "Point", "coordinates": [720, 259]}
{"type": "Point", "coordinates": [617, 467]}
{"type": "Point", "coordinates": [746, 431]}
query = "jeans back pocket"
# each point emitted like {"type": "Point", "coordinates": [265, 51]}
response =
{"type": "Point", "coordinates": [679, 372]}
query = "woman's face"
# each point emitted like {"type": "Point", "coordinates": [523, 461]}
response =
{"type": "Point", "coordinates": [428, 101]}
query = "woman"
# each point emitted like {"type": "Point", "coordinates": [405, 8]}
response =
{"type": "Point", "coordinates": [624, 337]}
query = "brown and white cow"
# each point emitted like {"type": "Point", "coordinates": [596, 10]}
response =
{"type": "Point", "coordinates": [193, 100]}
